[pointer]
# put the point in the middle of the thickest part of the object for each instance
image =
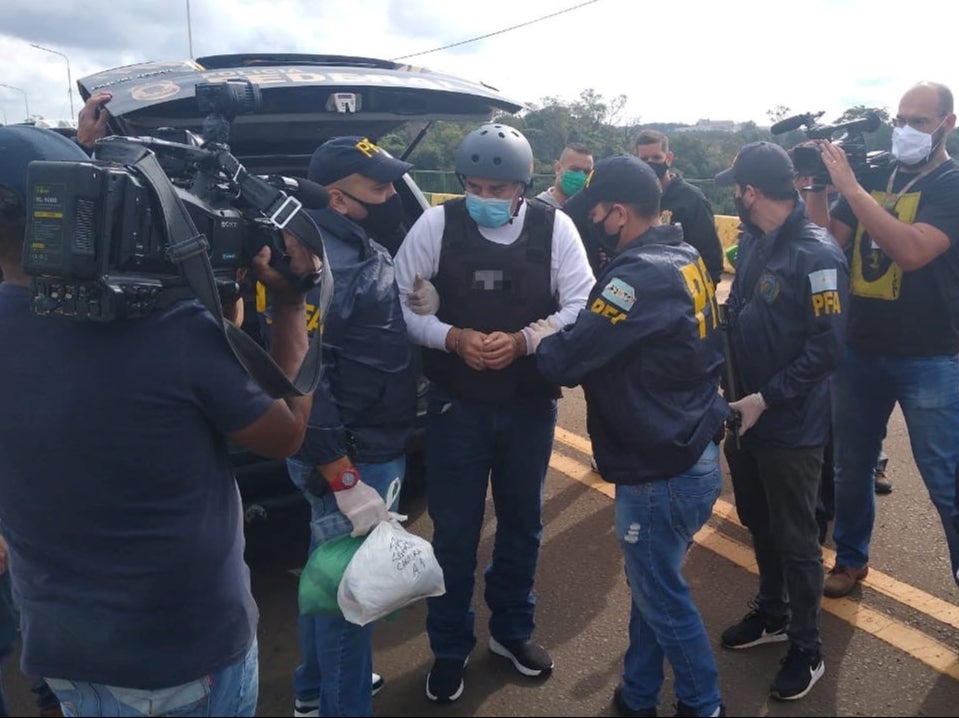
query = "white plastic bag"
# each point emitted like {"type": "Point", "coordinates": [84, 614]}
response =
{"type": "Point", "coordinates": [390, 570]}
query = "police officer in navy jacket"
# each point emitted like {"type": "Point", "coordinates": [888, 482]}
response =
{"type": "Point", "coordinates": [648, 352]}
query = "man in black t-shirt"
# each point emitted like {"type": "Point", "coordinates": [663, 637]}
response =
{"type": "Point", "coordinates": [127, 556]}
{"type": "Point", "coordinates": [900, 227]}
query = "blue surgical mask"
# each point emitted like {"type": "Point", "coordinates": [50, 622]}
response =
{"type": "Point", "coordinates": [489, 212]}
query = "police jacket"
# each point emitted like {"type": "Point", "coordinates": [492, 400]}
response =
{"type": "Point", "coordinates": [648, 353]}
{"type": "Point", "coordinates": [365, 403]}
{"type": "Point", "coordinates": [787, 324]}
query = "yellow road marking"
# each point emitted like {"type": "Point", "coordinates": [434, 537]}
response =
{"type": "Point", "coordinates": [917, 644]}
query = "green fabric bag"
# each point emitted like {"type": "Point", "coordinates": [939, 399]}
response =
{"type": "Point", "coordinates": [321, 576]}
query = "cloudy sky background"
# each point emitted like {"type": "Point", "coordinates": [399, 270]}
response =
{"type": "Point", "coordinates": [676, 61]}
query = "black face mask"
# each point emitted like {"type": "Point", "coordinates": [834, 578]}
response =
{"type": "Point", "coordinates": [382, 220]}
{"type": "Point", "coordinates": [741, 210]}
{"type": "Point", "coordinates": [660, 168]}
{"type": "Point", "coordinates": [604, 239]}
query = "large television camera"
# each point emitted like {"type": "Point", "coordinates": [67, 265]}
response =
{"type": "Point", "coordinates": [98, 240]}
{"type": "Point", "coordinates": [849, 135]}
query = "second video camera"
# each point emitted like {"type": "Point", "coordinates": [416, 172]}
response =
{"type": "Point", "coordinates": [849, 135]}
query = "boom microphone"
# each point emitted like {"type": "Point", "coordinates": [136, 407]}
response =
{"type": "Point", "coordinates": [867, 123]}
{"type": "Point", "coordinates": [795, 122]}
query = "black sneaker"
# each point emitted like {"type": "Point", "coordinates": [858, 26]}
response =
{"type": "Point", "coordinates": [528, 657]}
{"type": "Point", "coordinates": [799, 672]}
{"type": "Point", "coordinates": [755, 629]}
{"type": "Point", "coordinates": [444, 684]}
{"type": "Point", "coordinates": [684, 710]}
{"type": "Point", "coordinates": [311, 709]}
{"type": "Point", "coordinates": [623, 709]}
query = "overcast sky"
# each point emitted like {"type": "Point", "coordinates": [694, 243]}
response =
{"type": "Point", "coordinates": [675, 60]}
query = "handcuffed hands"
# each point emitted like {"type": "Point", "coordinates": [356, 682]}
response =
{"type": "Point", "coordinates": [501, 349]}
{"type": "Point", "coordinates": [363, 506]}
{"type": "Point", "coordinates": [537, 331]}
{"type": "Point", "coordinates": [750, 408]}
{"type": "Point", "coordinates": [424, 299]}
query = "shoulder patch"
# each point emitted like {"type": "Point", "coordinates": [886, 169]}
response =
{"type": "Point", "coordinates": [824, 280]}
{"type": "Point", "coordinates": [620, 294]}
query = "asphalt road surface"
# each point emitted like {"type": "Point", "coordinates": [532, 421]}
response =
{"type": "Point", "coordinates": [890, 649]}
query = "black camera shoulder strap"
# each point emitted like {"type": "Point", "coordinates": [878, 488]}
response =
{"type": "Point", "coordinates": [188, 249]}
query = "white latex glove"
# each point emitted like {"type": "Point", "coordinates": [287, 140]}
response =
{"type": "Point", "coordinates": [363, 506]}
{"type": "Point", "coordinates": [537, 331]}
{"type": "Point", "coordinates": [424, 299]}
{"type": "Point", "coordinates": [750, 408]}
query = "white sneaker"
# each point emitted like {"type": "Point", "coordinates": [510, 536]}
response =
{"type": "Point", "coordinates": [306, 709]}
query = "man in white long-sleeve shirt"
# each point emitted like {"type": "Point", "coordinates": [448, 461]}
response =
{"type": "Point", "coordinates": [502, 267]}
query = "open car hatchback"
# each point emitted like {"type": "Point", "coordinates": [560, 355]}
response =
{"type": "Point", "coordinates": [303, 101]}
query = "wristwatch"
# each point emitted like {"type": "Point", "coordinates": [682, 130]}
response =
{"type": "Point", "coordinates": [346, 479]}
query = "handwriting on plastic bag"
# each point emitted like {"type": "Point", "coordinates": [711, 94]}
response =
{"type": "Point", "coordinates": [406, 554]}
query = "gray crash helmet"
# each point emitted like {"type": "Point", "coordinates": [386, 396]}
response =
{"type": "Point", "coordinates": [495, 151]}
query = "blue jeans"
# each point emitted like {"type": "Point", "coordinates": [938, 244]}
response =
{"type": "Point", "coordinates": [471, 446]}
{"type": "Point", "coordinates": [655, 524]}
{"type": "Point", "coordinates": [230, 691]}
{"type": "Point", "coordinates": [336, 655]}
{"type": "Point", "coordinates": [865, 391]}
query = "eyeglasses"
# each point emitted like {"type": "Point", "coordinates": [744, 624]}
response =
{"type": "Point", "coordinates": [917, 123]}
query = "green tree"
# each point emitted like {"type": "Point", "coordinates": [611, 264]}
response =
{"type": "Point", "coordinates": [777, 113]}
{"type": "Point", "coordinates": [599, 123]}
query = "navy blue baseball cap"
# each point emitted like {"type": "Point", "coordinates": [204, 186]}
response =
{"type": "Point", "coordinates": [622, 178]}
{"type": "Point", "coordinates": [343, 156]}
{"type": "Point", "coordinates": [764, 165]}
{"type": "Point", "coordinates": [19, 146]}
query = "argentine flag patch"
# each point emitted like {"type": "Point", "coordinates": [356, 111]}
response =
{"type": "Point", "coordinates": [824, 280]}
{"type": "Point", "coordinates": [620, 294]}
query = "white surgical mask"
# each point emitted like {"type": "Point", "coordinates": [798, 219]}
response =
{"type": "Point", "coordinates": [910, 146]}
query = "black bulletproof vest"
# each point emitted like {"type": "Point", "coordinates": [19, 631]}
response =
{"type": "Point", "coordinates": [493, 287]}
